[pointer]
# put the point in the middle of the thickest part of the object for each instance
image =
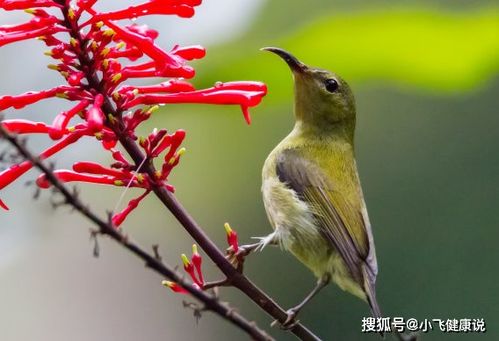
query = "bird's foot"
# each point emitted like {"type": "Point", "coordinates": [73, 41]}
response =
{"type": "Point", "coordinates": [290, 321]}
{"type": "Point", "coordinates": [237, 257]}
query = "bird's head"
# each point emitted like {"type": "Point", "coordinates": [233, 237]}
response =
{"type": "Point", "coordinates": [322, 99]}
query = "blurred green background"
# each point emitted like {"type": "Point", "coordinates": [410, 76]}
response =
{"type": "Point", "coordinates": [425, 78]}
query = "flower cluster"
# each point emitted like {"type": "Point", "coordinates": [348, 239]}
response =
{"type": "Point", "coordinates": [193, 266]}
{"type": "Point", "coordinates": [95, 56]}
{"type": "Point", "coordinates": [193, 269]}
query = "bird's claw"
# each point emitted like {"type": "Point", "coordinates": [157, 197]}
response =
{"type": "Point", "coordinates": [290, 321]}
{"type": "Point", "coordinates": [236, 258]}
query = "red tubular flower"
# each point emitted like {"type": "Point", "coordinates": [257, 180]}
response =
{"type": "Point", "coordinates": [119, 218]}
{"type": "Point", "coordinates": [197, 260]}
{"type": "Point", "coordinates": [28, 34]}
{"type": "Point", "coordinates": [156, 136]}
{"type": "Point", "coordinates": [151, 69]}
{"type": "Point", "coordinates": [95, 116]}
{"type": "Point", "coordinates": [118, 156]}
{"type": "Point", "coordinates": [245, 94]}
{"type": "Point", "coordinates": [189, 268]}
{"type": "Point", "coordinates": [13, 172]}
{"type": "Point", "coordinates": [65, 175]}
{"type": "Point", "coordinates": [20, 126]}
{"type": "Point", "coordinates": [175, 287]}
{"type": "Point", "coordinates": [231, 237]}
{"type": "Point", "coordinates": [171, 86]}
{"type": "Point", "coordinates": [161, 57]}
{"type": "Point", "coordinates": [41, 20]}
{"type": "Point", "coordinates": [10, 5]}
{"type": "Point", "coordinates": [95, 168]}
{"type": "Point", "coordinates": [61, 121]}
{"type": "Point", "coordinates": [147, 8]}
{"type": "Point", "coordinates": [172, 141]}
{"type": "Point", "coordinates": [20, 101]}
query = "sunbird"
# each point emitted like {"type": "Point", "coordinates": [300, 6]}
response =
{"type": "Point", "coordinates": [311, 188]}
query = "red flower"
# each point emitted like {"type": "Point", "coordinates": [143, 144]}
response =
{"type": "Point", "coordinates": [175, 287]}
{"type": "Point", "coordinates": [119, 218]}
{"type": "Point", "coordinates": [21, 126]}
{"type": "Point", "coordinates": [231, 238]}
{"type": "Point", "coordinates": [197, 260]}
{"type": "Point", "coordinates": [193, 268]}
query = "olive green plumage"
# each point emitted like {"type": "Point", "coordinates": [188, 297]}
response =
{"type": "Point", "coordinates": [311, 187]}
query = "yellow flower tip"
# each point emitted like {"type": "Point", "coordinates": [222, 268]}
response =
{"type": "Point", "coordinates": [142, 141]}
{"type": "Point", "coordinates": [29, 11]}
{"type": "Point", "coordinates": [105, 51]}
{"type": "Point", "coordinates": [53, 67]}
{"type": "Point", "coordinates": [73, 42]}
{"type": "Point", "coordinates": [61, 95]}
{"type": "Point", "coordinates": [120, 45]}
{"type": "Point", "coordinates": [93, 45]}
{"type": "Point", "coordinates": [109, 32]}
{"type": "Point", "coordinates": [157, 174]}
{"type": "Point", "coordinates": [65, 74]}
{"type": "Point", "coordinates": [116, 96]}
{"type": "Point", "coordinates": [71, 13]}
{"type": "Point", "coordinates": [172, 160]}
{"type": "Point", "coordinates": [71, 129]}
{"type": "Point", "coordinates": [105, 63]}
{"type": "Point", "coordinates": [135, 92]}
{"type": "Point", "coordinates": [228, 229]}
{"type": "Point", "coordinates": [119, 183]}
{"type": "Point", "coordinates": [98, 136]}
{"type": "Point", "coordinates": [116, 77]}
{"type": "Point", "coordinates": [194, 249]}
{"type": "Point", "coordinates": [140, 178]}
{"type": "Point", "coordinates": [41, 38]}
{"type": "Point", "coordinates": [185, 260]}
{"type": "Point", "coordinates": [181, 151]}
{"type": "Point", "coordinates": [168, 284]}
{"type": "Point", "coordinates": [152, 109]}
{"type": "Point", "coordinates": [48, 53]}
{"type": "Point", "coordinates": [111, 119]}
{"type": "Point", "coordinates": [99, 24]}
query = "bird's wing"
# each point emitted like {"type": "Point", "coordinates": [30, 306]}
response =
{"type": "Point", "coordinates": [341, 222]}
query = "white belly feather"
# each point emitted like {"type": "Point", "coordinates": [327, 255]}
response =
{"type": "Point", "coordinates": [294, 225]}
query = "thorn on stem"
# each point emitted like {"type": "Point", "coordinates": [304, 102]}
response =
{"type": "Point", "coordinates": [197, 310]}
{"type": "Point", "coordinates": [155, 249]}
{"type": "Point", "coordinates": [93, 237]}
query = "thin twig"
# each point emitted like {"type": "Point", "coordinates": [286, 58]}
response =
{"type": "Point", "coordinates": [106, 228]}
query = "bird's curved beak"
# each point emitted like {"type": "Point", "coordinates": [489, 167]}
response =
{"type": "Point", "coordinates": [292, 61]}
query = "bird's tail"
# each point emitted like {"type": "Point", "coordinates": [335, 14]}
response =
{"type": "Point", "coordinates": [370, 289]}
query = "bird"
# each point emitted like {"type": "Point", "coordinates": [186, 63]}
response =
{"type": "Point", "coordinates": [311, 189]}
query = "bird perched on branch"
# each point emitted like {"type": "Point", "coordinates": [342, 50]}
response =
{"type": "Point", "coordinates": [311, 188]}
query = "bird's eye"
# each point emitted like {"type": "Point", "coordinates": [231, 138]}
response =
{"type": "Point", "coordinates": [331, 85]}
